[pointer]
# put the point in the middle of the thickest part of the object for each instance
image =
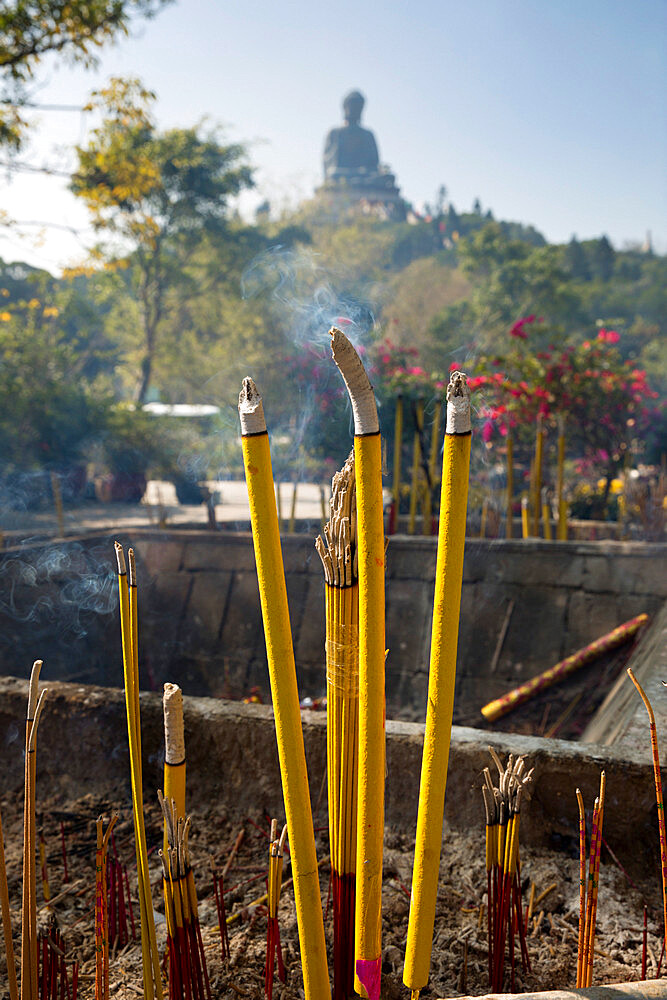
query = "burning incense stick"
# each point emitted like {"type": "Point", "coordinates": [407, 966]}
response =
{"type": "Point", "coordinates": [284, 693]}
{"type": "Point", "coordinates": [588, 900]}
{"type": "Point", "coordinates": [174, 749]}
{"type": "Point", "coordinates": [396, 488]}
{"type": "Point", "coordinates": [658, 795]}
{"type": "Point", "coordinates": [29, 950]}
{"type": "Point", "coordinates": [442, 673]}
{"type": "Point", "coordinates": [508, 702]}
{"type": "Point", "coordinates": [129, 637]}
{"type": "Point", "coordinates": [370, 533]}
{"type": "Point", "coordinates": [510, 486]}
{"type": "Point", "coordinates": [339, 559]}
{"type": "Point", "coordinates": [502, 807]}
{"type": "Point", "coordinates": [7, 923]}
{"type": "Point", "coordinates": [273, 946]}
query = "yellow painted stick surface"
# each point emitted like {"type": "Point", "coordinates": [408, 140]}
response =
{"type": "Point", "coordinates": [284, 693]}
{"type": "Point", "coordinates": [370, 541]}
{"type": "Point", "coordinates": [416, 465]}
{"type": "Point", "coordinates": [561, 531]}
{"type": "Point", "coordinates": [442, 673]}
{"type": "Point", "coordinates": [537, 477]}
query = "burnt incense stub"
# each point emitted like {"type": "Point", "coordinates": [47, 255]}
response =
{"type": "Point", "coordinates": [251, 409]}
{"type": "Point", "coordinates": [458, 404]}
{"type": "Point", "coordinates": [357, 382]}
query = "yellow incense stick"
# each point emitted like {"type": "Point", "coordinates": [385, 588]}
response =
{"type": "Point", "coordinates": [525, 530]}
{"type": "Point", "coordinates": [29, 900]}
{"type": "Point", "coordinates": [129, 637]}
{"type": "Point", "coordinates": [284, 693]}
{"type": "Point", "coordinates": [442, 673]}
{"type": "Point", "coordinates": [370, 538]}
{"type": "Point", "coordinates": [510, 486]}
{"type": "Point", "coordinates": [174, 752]}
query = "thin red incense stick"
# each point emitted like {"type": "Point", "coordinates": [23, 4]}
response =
{"type": "Point", "coordinates": [644, 945]}
{"type": "Point", "coordinates": [64, 852]}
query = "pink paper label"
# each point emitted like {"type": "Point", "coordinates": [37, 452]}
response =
{"type": "Point", "coordinates": [368, 973]}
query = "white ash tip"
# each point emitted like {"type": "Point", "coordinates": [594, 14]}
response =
{"type": "Point", "coordinates": [174, 730]}
{"type": "Point", "coordinates": [458, 404]}
{"type": "Point", "coordinates": [357, 382]}
{"type": "Point", "coordinates": [251, 410]}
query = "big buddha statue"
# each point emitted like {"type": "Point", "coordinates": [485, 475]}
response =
{"type": "Point", "coordinates": [352, 162]}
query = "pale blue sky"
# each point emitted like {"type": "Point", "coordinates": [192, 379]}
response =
{"type": "Point", "coordinates": [552, 113]}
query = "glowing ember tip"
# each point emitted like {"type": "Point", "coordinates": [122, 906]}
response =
{"type": "Point", "coordinates": [251, 410]}
{"type": "Point", "coordinates": [458, 404]}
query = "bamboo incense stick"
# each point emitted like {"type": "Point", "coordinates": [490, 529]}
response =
{"type": "Point", "coordinates": [129, 637]}
{"type": "Point", "coordinates": [442, 673]}
{"type": "Point", "coordinates": [7, 923]}
{"type": "Point", "coordinates": [658, 795]}
{"type": "Point", "coordinates": [517, 696]}
{"type": "Point", "coordinates": [371, 548]}
{"type": "Point", "coordinates": [284, 693]}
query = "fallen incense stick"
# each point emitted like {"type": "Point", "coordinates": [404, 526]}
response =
{"type": "Point", "coordinates": [517, 696]}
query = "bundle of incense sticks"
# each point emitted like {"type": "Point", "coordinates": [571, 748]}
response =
{"type": "Point", "coordinates": [502, 805]}
{"type": "Point", "coordinates": [52, 974]}
{"type": "Point", "coordinates": [658, 797]}
{"type": "Point", "coordinates": [188, 973]}
{"type": "Point", "coordinates": [7, 923]}
{"type": "Point", "coordinates": [101, 909]}
{"type": "Point", "coordinates": [129, 629]}
{"type": "Point", "coordinates": [119, 904]}
{"type": "Point", "coordinates": [219, 889]}
{"type": "Point", "coordinates": [588, 896]}
{"type": "Point", "coordinates": [339, 559]}
{"type": "Point", "coordinates": [372, 652]}
{"type": "Point", "coordinates": [29, 944]}
{"type": "Point", "coordinates": [273, 947]}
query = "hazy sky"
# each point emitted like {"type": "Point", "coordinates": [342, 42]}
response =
{"type": "Point", "coordinates": [551, 112]}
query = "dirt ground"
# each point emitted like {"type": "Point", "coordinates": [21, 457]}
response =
{"type": "Point", "coordinates": [459, 964]}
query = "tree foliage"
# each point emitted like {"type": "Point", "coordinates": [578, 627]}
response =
{"type": "Point", "coordinates": [160, 193]}
{"type": "Point", "coordinates": [75, 29]}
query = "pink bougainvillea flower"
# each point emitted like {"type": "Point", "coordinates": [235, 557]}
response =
{"type": "Point", "coordinates": [487, 431]}
{"type": "Point", "coordinates": [609, 336]}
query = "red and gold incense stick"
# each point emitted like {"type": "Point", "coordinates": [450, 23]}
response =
{"type": "Point", "coordinates": [658, 795]}
{"type": "Point", "coordinates": [101, 911]}
{"type": "Point", "coordinates": [7, 923]}
{"type": "Point", "coordinates": [508, 702]}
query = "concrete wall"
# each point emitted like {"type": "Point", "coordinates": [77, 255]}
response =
{"type": "Point", "coordinates": [200, 621]}
{"type": "Point", "coordinates": [82, 747]}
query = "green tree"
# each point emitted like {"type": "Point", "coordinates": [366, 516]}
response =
{"type": "Point", "coordinates": [31, 29]}
{"type": "Point", "coordinates": [159, 193]}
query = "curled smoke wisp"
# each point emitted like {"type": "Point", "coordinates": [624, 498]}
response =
{"type": "Point", "coordinates": [71, 583]}
{"type": "Point", "coordinates": [305, 300]}
{"type": "Point", "coordinates": [306, 293]}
